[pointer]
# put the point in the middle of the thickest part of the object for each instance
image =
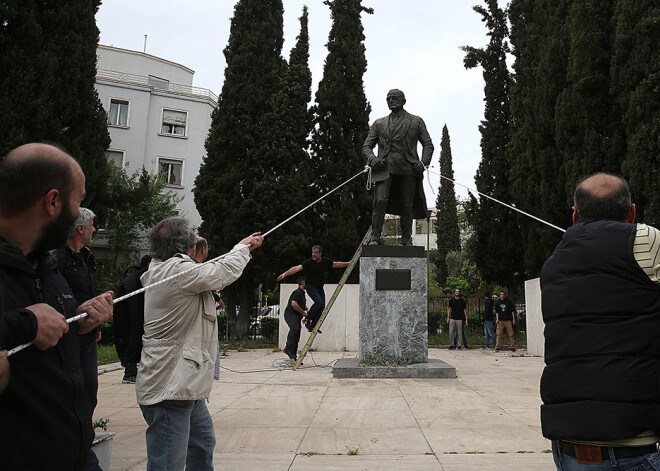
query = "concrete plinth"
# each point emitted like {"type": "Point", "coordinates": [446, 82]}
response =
{"type": "Point", "coordinates": [351, 368]}
{"type": "Point", "coordinates": [393, 304]}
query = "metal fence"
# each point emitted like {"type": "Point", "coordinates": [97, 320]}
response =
{"type": "Point", "coordinates": [439, 305]}
{"type": "Point", "coordinates": [264, 323]}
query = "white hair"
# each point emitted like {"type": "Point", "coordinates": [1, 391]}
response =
{"type": "Point", "coordinates": [82, 220]}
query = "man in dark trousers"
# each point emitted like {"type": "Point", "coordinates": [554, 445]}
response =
{"type": "Point", "coordinates": [489, 317]}
{"type": "Point", "coordinates": [601, 309]}
{"type": "Point", "coordinates": [397, 171]}
{"type": "Point", "coordinates": [457, 318]}
{"type": "Point", "coordinates": [315, 269]}
{"type": "Point", "coordinates": [76, 262]}
{"type": "Point", "coordinates": [505, 318]}
{"type": "Point", "coordinates": [129, 322]}
{"type": "Point", "coordinates": [45, 402]}
{"type": "Point", "coordinates": [295, 310]}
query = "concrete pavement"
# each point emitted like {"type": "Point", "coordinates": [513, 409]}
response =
{"type": "Point", "coordinates": [279, 419]}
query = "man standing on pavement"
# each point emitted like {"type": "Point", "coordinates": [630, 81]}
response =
{"type": "Point", "coordinates": [180, 343]}
{"type": "Point", "coordinates": [601, 308]}
{"type": "Point", "coordinates": [45, 403]}
{"type": "Point", "coordinates": [397, 171]}
{"type": "Point", "coordinates": [315, 269]}
{"type": "Point", "coordinates": [456, 315]}
{"type": "Point", "coordinates": [129, 321]}
{"type": "Point", "coordinates": [76, 262]}
{"type": "Point", "coordinates": [489, 333]}
{"type": "Point", "coordinates": [505, 318]}
{"type": "Point", "coordinates": [295, 311]}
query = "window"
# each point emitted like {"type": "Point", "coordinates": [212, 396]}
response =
{"type": "Point", "coordinates": [118, 112]}
{"type": "Point", "coordinates": [174, 122]}
{"type": "Point", "coordinates": [172, 170]}
{"type": "Point", "coordinates": [116, 157]}
{"type": "Point", "coordinates": [158, 82]}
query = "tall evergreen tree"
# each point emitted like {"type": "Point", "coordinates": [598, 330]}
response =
{"type": "Point", "coordinates": [589, 133]}
{"type": "Point", "coordinates": [539, 36]}
{"type": "Point", "coordinates": [636, 81]}
{"type": "Point", "coordinates": [497, 236]}
{"type": "Point", "coordinates": [48, 64]}
{"type": "Point", "coordinates": [227, 188]}
{"type": "Point", "coordinates": [446, 223]}
{"type": "Point", "coordinates": [341, 123]}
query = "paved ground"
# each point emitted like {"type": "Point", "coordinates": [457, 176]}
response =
{"type": "Point", "coordinates": [486, 419]}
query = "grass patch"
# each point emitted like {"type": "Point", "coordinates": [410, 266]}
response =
{"type": "Point", "coordinates": [309, 453]}
{"type": "Point", "coordinates": [352, 451]}
{"type": "Point", "coordinates": [107, 354]}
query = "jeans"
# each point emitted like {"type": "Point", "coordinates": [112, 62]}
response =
{"type": "Point", "coordinates": [179, 435]}
{"type": "Point", "coordinates": [318, 296]}
{"type": "Point", "coordinates": [649, 462]}
{"type": "Point", "coordinates": [455, 329]}
{"type": "Point", "coordinates": [489, 333]}
{"type": "Point", "coordinates": [292, 319]}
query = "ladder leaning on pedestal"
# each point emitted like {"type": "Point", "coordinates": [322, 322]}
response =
{"type": "Point", "coordinates": [332, 300]}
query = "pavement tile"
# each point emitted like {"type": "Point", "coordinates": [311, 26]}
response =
{"type": "Point", "coordinates": [368, 441]}
{"type": "Point", "coordinates": [253, 461]}
{"type": "Point", "coordinates": [364, 403]}
{"type": "Point", "coordinates": [498, 462]}
{"type": "Point", "coordinates": [260, 440]}
{"type": "Point", "coordinates": [362, 463]}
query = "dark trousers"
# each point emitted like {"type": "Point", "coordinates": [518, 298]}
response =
{"type": "Point", "coordinates": [318, 296]}
{"type": "Point", "coordinates": [292, 319]}
{"type": "Point", "coordinates": [406, 185]}
{"type": "Point", "coordinates": [89, 363]}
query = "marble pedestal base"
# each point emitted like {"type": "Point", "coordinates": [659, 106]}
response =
{"type": "Point", "coordinates": [393, 303]}
{"type": "Point", "coordinates": [433, 368]}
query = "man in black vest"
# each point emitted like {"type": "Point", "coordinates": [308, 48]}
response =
{"type": "Point", "coordinates": [601, 308]}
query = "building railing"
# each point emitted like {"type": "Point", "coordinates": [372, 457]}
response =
{"type": "Point", "coordinates": [177, 88]}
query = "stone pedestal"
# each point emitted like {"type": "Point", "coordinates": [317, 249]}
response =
{"type": "Point", "coordinates": [393, 303]}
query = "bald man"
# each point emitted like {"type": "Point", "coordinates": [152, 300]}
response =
{"type": "Point", "coordinates": [601, 307]}
{"type": "Point", "coordinates": [41, 188]}
{"type": "Point", "coordinates": [397, 171]}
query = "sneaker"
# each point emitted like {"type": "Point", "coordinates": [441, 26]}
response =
{"type": "Point", "coordinates": [513, 349]}
{"type": "Point", "coordinates": [451, 347]}
{"type": "Point", "coordinates": [458, 348]}
{"type": "Point", "coordinates": [128, 380]}
{"type": "Point", "coordinates": [497, 349]}
{"type": "Point", "coordinates": [292, 356]}
{"type": "Point", "coordinates": [467, 348]}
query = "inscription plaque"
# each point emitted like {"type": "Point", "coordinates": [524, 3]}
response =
{"type": "Point", "coordinates": [393, 279]}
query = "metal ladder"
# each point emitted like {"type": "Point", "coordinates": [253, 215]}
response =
{"type": "Point", "coordinates": [332, 300]}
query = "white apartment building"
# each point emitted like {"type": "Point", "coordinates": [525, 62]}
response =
{"type": "Point", "coordinates": [157, 119]}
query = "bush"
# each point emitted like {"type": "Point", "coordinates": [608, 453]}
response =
{"type": "Point", "coordinates": [269, 328]}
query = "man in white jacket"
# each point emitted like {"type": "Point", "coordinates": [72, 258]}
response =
{"type": "Point", "coordinates": [179, 345]}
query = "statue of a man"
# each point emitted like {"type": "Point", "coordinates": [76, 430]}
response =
{"type": "Point", "coordinates": [397, 171]}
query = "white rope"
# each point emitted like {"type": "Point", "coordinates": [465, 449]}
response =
{"type": "Point", "coordinates": [369, 181]}
{"type": "Point", "coordinates": [500, 202]}
{"type": "Point", "coordinates": [198, 265]}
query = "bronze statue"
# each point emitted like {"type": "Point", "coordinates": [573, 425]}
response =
{"type": "Point", "coordinates": [397, 170]}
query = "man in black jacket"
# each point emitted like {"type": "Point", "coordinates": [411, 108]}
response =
{"type": "Point", "coordinates": [41, 188]}
{"type": "Point", "coordinates": [76, 262]}
{"type": "Point", "coordinates": [296, 309]}
{"type": "Point", "coordinates": [129, 321]}
{"type": "Point", "coordinates": [601, 308]}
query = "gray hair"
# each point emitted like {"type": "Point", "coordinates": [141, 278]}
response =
{"type": "Point", "coordinates": [318, 247]}
{"type": "Point", "coordinates": [170, 237]}
{"type": "Point", "coordinates": [82, 220]}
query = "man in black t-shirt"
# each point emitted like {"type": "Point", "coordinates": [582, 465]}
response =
{"type": "Point", "coordinates": [489, 317]}
{"type": "Point", "coordinates": [505, 317]}
{"type": "Point", "coordinates": [456, 315]}
{"type": "Point", "coordinates": [315, 269]}
{"type": "Point", "coordinates": [295, 310]}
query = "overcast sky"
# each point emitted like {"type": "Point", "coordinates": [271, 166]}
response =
{"type": "Point", "coordinates": [412, 45]}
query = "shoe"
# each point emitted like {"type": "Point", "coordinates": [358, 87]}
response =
{"type": "Point", "coordinates": [485, 348]}
{"type": "Point", "coordinates": [467, 348]}
{"type": "Point", "coordinates": [458, 348]}
{"type": "Point", "coordinates": [497, 349]}
{"type": "Point", "coordinates": [513, 349]}
{"type": "Point", "coordinates": [128, 380]}
{"type": "Point", "coordinates": [451, 347]}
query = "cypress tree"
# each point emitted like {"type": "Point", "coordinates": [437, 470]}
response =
{"type": "Point", "coordinates": [495, 226]}
{"type": "Point", "coordinates": [589, 133]}
{"type": "Point", "coordinates": [540, 43]}
{"type": "Point", "coordinates": [228, 193]}
{"type": "Point", "coordinates": [341, 123]}
{"type": "Point", "coordinates": [636, 81]}
{"type": "Point", "coordinates": [446, 223]}
{"type": "Point", "coordinates": [48, 64]}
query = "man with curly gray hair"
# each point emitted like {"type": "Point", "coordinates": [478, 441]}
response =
{"type": "Point", "coordinates": [179, 345]}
